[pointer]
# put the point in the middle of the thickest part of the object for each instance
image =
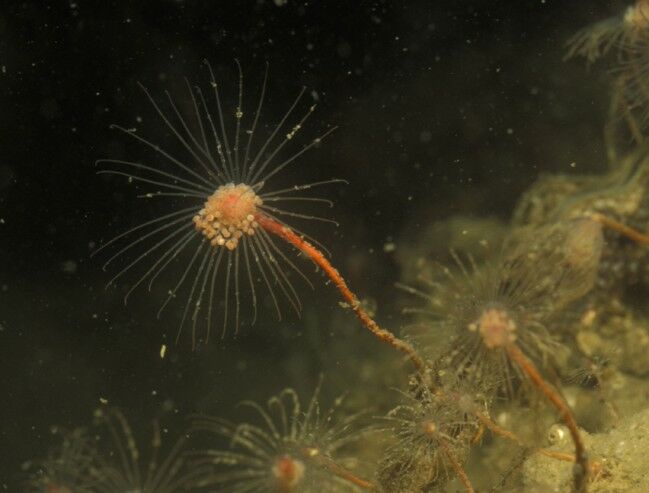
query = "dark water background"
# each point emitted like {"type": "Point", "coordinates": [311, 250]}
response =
{"type": "Point", "coordinates": [444, 107]}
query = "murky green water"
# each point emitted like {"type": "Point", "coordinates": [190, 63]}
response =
{"type": "Point", "coordinates": [430, 136]}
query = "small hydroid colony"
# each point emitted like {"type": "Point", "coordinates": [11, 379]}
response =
{"type": "Point", "coordinates": [496, 317]}
{"type": "Point", "coordinates": [623, 33]}
{"type": "Point", "coordinates": [291, 449]}
{"type": "Point", "coordinates": [502, 322]}
{"type": "Point", "coordinates": [434, 436]}
{"type": "Point", "coordinates": [626, 38]}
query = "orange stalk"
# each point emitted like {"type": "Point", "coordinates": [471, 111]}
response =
{"type": "Point", "coordinates": [509, 435]}
{"type": "Point", "coordinates": [557, 401]}
{"type": "Point", "coordinates": [316, 256]}
{"type": "Point", "coordinates": [623, 229]}
{"type": "Point", "coordinates": [457, 467]}
{"type": "Point", "coordinates": [314, 455]}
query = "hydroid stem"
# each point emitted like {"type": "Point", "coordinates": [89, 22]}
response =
{"type": "Point", "coordinates": [623, 229]}
{"type": "Point", "coordinates": [272, 226]}
{"type": "Point", "coordinates": [555, 398]}
{"type": "Point", "coordinates": [457, 467]}
{"type": "Point", "coordinates": [337, 470]}
{"type": "Point", "coordinates": [509, 435]}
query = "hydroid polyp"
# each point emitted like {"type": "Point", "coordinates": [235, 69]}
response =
{"type": "Point", "coordinates": [288, 449]}
{"type": "Point", "coordinates": [108, 459]}
{"type": "Point", "coordinates": [68, 468]}
{"type": "Point", "coordinates": [498, 315]}
{"type": "Point", "coordinates": [121, 464]}
{"type": "Point", "coordinates": [626, 37]}
{"type": "Point", "coordinates": [226, 185]}
{"type": "Point", "coordinates": [433, 437]}
{"type": "Point", "coordinates": [230, 225]}
{"type": "Point", "coordinates": [625, 33]}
